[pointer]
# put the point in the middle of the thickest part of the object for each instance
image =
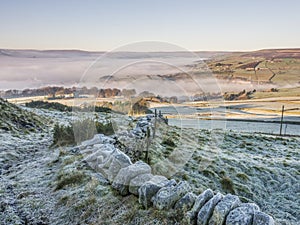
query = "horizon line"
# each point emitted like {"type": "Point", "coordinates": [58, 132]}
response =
{"type": "Point", "coordinates": [103, 51]}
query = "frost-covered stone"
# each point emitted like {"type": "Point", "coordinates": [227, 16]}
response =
{"type": "Point", "coordinates": [186, 202]}
{"type": "Point", "coordinates": [151, 187]}
{"type": "Point", "coordinates": [242, 215]}
{"type": "Point", "coordinates": [207, 210]}
{"type": "Point", "coordinates": [98, 139]}
{"type": "Point", "coordinates": [142, 123]}
{"type": "Point", "coordinates": [191, 215]}
{"type": "Point", "coordinates": [166, 197]}
{"type": "Point", "coordinates": [138, 181]}
{"type": "Point", "coordinates": [87, 151]}
{"type": "Point", "coordinates": [119, 161]}
{"type": "Point", "coordinates": [109, 163]}
{"type": "Point", "coordinates": [149, 117]}
{"type": "Point", "coordinates": [125, 175]}
{"type": "Point", "coordinates": [138, 132]}
{"type": "Point", "coordinates": [228, 203]}
{"type": "Point", "coordinates": [100, 155]}
{"type": "Point", "coordinates": [261, 218]}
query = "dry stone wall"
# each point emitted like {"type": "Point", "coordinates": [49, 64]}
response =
{"type": "Point", "coordinates": [208, 208]}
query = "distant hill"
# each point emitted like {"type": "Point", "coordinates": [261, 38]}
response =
{"type": "Point", "coordinates": [32, 53]}
{"type": "Point", "coordinates": [280, 67]}
{"type": "Point", "coordinates": [275, 53]}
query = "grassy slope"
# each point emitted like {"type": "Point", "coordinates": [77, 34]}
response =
{"type": "Point", "coordinates": [282, 92]}
{"type": "Point", "coordinates": [258, 168]}
{"type": "Point", "coordinates": [13, 118]}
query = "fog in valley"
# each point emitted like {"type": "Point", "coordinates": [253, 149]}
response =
{"type": "Point", "coordinates": [165, 73]}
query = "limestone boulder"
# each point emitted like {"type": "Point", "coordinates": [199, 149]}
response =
{"type": "Point", "coordinates": [119, 161]}
{"type": "Point", "coordinates": [166, 197]}
{"type": "Point", "coordinates": [125, 175]}
{"type": "Point", "coordinates": [191, 215]}
{"type": "Point", "coordinates": [151, 187]}
{"type": "Point", "coordinates": [142, 123]}
{"type": "Point", "coordinates": [206, 211]}
{"type": "Point", "coordinates": [99, 155]}
{"type": "Point", "coordinates": [242, 215]}
{"type": "Point", "coordinates": [186, 202]}
{"type": "Point", "coordinates": [110, 163]}
{"type": "Point", "coordinates": [98, 139]}
{"type": "Point", "coordinates": [138, 181]}
{"type": "Point", "coordinates": [138, 132]}
{"type": "Point", "coordinates": [228, 203]}
{"type": "Point", "coordinates": [260, 218]}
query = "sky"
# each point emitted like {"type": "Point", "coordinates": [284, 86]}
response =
{"type": "Point", "coordinates": [103, 25]}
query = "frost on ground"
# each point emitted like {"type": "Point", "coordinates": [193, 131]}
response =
{"type": "Point", "coordinates": [41, 185]}
{"type": "Point", "coordinates": [258, 168]}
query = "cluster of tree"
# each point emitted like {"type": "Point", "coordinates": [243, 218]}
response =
{"type": "Point", "coordinates": [65, 108]}
{"type": "Point", "coordinates": [60, 92]}
{"type": "Point", "coordinates": [101, 93]}
{"type": "Point", "coordinates": [207, 96]}
{"type": "Point", "coordinates": [44, 91]}
{"type": "Point", "coordinates": [104, 93]}
{"type": "Point", "coordinates": [49, 105]}
{"type": "Point", "coordinates": [239, 96]}
{"type": "Point", "coordinates": [140, 107]}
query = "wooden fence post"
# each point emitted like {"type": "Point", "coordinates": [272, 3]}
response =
{"type": "Point", "coordinates": [148, 144]}
{"type": "Point", "coordinates": [280, 133]}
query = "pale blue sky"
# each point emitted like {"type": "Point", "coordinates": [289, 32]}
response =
{"type": "Point", "coordinates": [194, 25]}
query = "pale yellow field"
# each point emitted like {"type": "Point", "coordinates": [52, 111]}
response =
{"type": "Point", "coordinates": [252, 108]}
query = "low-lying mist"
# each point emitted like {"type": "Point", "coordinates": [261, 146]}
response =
{"type": "Point", "coordinates": [161, 73]}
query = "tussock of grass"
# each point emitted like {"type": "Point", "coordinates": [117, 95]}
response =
{"type": "Point", "coordinates": [65, 179]}
{"type": "Point", "coordinates": [168, 142]}
{"type": "Point", "coordinates": [71, 159]}
{"type": "Point", "coordinates": [227, 185]}
{"type": "Point", "coordinates": [209, 173]}
{"type": "Point", "coordinates": [242, 176]}
{"type": "Point", "coordinates": [244, 191]}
